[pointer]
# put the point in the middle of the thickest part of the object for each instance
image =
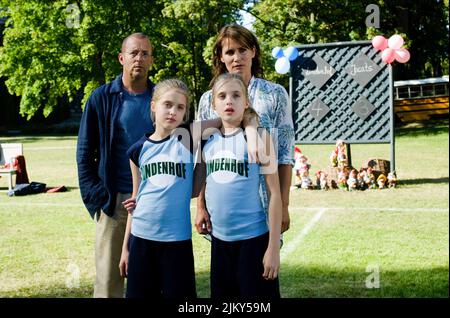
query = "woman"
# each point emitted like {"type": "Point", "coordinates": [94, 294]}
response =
{"type": "Point", "coordinates": [237, 51]}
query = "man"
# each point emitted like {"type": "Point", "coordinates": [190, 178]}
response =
{"type": "Point", "coordinates": [116, 115]}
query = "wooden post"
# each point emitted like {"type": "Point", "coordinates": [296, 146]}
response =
{"type": "Point", "coordinates": [349, 155]}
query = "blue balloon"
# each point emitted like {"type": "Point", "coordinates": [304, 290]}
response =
{"type": "Point", "coordinates": [282, 65]}
{"type": "Point", "coordinates": [277, 52]}
{"type": "Point", "coordinates": [291, 53]}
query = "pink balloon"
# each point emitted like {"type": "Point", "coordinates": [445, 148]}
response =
{"type": "Point", "coordinates": [380, 42]}
{"type": "Point", "coordinates": [388, 55]}
{"type": "Point", "coordinates": [402, 55]}
{"type": "Point", "coordinates": [395, 42]}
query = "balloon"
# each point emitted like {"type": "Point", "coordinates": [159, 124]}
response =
{"type": "Point", "coordinates": [395, 42]}
{"type": "Point", "coordinates": [277, 52]}
{"type": "Point", "coordinates": [282, 65]}
{"type": "Point", "coordinates": [380, 42]}
{"type": "Point", "coordinates": [388, 55]}
{"type": "Point", "coordinates": [402, 55]}
{"type": "Point", "coordinates": [291, 53]}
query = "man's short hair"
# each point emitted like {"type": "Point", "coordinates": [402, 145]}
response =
{"type": "Point", "coordinates": [138, 35]}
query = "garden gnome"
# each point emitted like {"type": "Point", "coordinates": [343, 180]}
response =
{"type": "Point", "coordinates": [342, 179]}
{"type": "Point", "coordinates": [381, 181]}
{"type": "Point", "coordinates": [360, 179]}
{"type": "Point", "coordinates": [341, 156]}
{"type": "Point", "coordinates": [392, 179]}
{"type": "Point", "coordinates": [323, 181]}
{"type": "Point", "coordinates": [306, 180]}
{"type": "Point", "coordinates": [370, 178]}
{"type": "Point", "coordinates": [317, 174]}
{"type": "Point", "coordinates": [352, 182]}
{"type": "Point", "coordinates": [297, 164]}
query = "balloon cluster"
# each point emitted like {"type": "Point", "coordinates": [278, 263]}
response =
{"type": "Point", "coordinates": [391, 49]}
{"type": "Point", "coordinates": [283, 64]}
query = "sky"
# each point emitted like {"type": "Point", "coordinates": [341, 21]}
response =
{"type": "Point", "coordinates": [248, 20]}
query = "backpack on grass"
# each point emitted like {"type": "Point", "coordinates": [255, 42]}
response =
{"type": "Point", "coordinates": [27, 188]}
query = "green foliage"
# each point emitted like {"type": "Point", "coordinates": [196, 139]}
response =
{"type": "Point", "coordinates": [58, 48]}
{"type": "Point", "coordinates": [36, 55]}
{"type": "Point", "coordinates": [423, 24]}
{"type": "Point", "coordinates": [53, 49]}
{"type": "Point", "coordinates": [188, 29]}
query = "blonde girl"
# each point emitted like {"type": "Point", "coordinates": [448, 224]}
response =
{"type": "Point", "coordinates": [245, 251]}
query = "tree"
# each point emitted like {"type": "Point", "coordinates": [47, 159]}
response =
{"type": "Point", "coordinates": [53, 49]}
{"type": "Point", "coordinates": [425, 23]}
{"type": "Point", "coordinates": [293, 22]}
{"type": "Point", "coordinates": [190, 29]}
{"type": "Point", "coordinates": [29, 58]}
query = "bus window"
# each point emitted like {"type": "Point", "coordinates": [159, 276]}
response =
{"type": "Point", "coordinates": [402, 92]}
{"type": "Point", "coordinates": [414, 91]}
{"type": "Point", "coordinates": [441, 89]}
{"type": "Point", "coordinates": [428, 90]}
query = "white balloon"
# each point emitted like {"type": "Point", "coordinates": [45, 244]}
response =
{"type": "Point", "coordinates": [395, 42]}
{"type": "Point", "coordinates": [291, 53]}
{"type": "Point", "coordinates": [282, 65]}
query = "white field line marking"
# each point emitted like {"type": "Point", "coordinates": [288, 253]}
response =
{"type": "Point", "coordinates": [296, 209]}
{"type": "Point", "coordinates": [31, 204]}
{"type": "Point", "coordinates": [15, 203]}
{"type": "Point", "coordinates": [292, 245]}
{"type": "Point", "coordinates": [371, 209]}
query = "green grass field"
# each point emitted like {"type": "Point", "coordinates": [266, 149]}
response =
{"type": "Point", "coordinates": [376, 243]}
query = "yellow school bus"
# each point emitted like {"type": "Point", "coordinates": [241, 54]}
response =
{"type": "Point", "coordinates": [419, 100]}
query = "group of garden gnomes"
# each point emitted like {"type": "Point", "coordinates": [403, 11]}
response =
{"type": "Point", "coordinates": [351, 179]}
{"type": "Point", "coordinates": [348, 179]}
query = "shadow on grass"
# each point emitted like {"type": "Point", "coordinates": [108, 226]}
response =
{"type": "Point", "coordinates": [423, 181]}
{"type": "Point", "coordinates": [49, 186]}
{"type": "Point", "coordinates": [84, 290]}
{"type": "Point", "coordinates": [430, 128]}
{"type": "Point", "coordinates": [68, 188]}
{"type": "Point", "coordinates": [313, 282]}
{"type": "Point", "coordinates": [304, 282]}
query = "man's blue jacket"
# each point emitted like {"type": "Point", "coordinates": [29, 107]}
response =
{"type": "Point", "coordinates": [94, 146]}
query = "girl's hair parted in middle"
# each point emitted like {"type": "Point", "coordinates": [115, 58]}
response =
{"type": "Point", "coordinates": [166, 85]}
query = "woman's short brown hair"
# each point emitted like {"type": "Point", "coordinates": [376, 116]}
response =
{"type": "Point", "coordinates": [243, 36]}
